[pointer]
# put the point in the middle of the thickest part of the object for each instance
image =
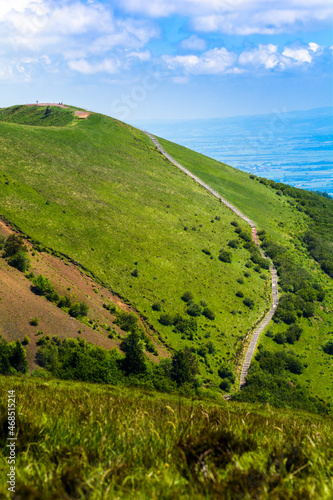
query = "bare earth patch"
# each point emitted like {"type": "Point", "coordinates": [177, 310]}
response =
{"type": "Point", "coordinates": [18, 304]}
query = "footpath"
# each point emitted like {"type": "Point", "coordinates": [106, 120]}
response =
{"type": "Point", "coordinates": [256, 334]}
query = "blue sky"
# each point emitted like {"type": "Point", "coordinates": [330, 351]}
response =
{"type": "Point", "coordinates": [167, 59]}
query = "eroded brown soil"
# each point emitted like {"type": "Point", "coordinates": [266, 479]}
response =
{"type": "Point", "coordinates": [18, 304]}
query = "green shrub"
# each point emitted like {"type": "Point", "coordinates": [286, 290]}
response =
{"type": "Point", "coordinates": [64, 301]}
{"type": "Point", "coordinates": [34, 321]}
{"type": "Point", "coordinates": [127, 321]}
{"type": "Point", "coordinates": [135, 361]}
{"type": "Point", "coordinates": [279, 338]}
{"type": "Point", "coordinates": [165, 319]}
{"type": "Point", "coordinates": [187, 297]}
{"type": "Point", "coordinates": [226, 372]}
{"type": "Point", "coordinates": [135, 273]}
{"type": "Point", "coordinates": [233, 243]}
{"type": "Point", "coordinates": [206, 251]}
{"type": "Point", "coordinates": [14, 244]}
{"type": "Point", "coordinates": [20, 261]}
{"type": "Point", "coordinates": [185, 325]}
{"type": "Point", "coordinates": [239, 294]}
{"type": "Point", "coordinates": [245, 236]}
{"type": "Point", "coordinates": [225, 256]}
{"type": "Point", "coordinates": [43, 286]}
{"type": "Point", "coordinates": [248, 302]}
{"type": "Point", "coordinates": [45, 339]}
{"type": "Point", "coordinates": [293, 334]}
{"type": "Point", "coordinates": [194, 309]}
{"type": "Point", "coordinates": [328, 347]}
{"type": "Point", "coordinates": [225, 385]}
{"type": "Point", "coordinates": [78, 309]}
{"type": "Point", "coordinates": [211, 347]}
{"type": "Point", "coordinates": [26, 340]}
{"type": "Point", "coordinates": [208, 313]}
{"type": "Point", "coordinates": [17, 357]}
{"type": "Point", "coordinates": [184, 366]}
{"type": "Point", "coordinates": [156, 306]}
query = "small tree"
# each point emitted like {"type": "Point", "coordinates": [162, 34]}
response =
{"type": "Point", "coordinates": [184, 366]}
{"type": "Point", "coordinates": [14, 244]}
{"type": "Point", "coordinates": [134, 361]}
{"type": "Point", "coordinates": [18, 357]}
{"type": "Point", "coordinates": [78, 309]}
{"type": "Point", "coordinates": [5, 367]}
{"type": "Point", "coordinates": [20, 261]}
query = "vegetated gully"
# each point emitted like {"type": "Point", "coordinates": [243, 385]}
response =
{"type": "Point", "coordinates": [275, 301]}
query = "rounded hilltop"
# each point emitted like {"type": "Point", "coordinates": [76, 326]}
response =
{"type": "Point", "coordinates": [43, 114]}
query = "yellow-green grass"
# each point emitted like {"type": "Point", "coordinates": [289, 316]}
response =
{"type": "Point", "coordinates": [85, 441]}
{"type": "Point", "coordinates": [99, 192]}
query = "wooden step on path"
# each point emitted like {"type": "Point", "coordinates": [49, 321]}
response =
{"type": "Point", "coordinates": [275, 301]}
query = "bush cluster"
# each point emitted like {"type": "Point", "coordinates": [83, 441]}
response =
{"type": "Point", "coordinates": [228, 377]}
{"type": "Point", "coordinates": [292, 334]}
{"type": "Point", "coordinates": [43, 286]}
{"type": "Point", "coordinates": [16, 252]}
{"type": "Point", "coordinates": [74, 359]}
{"type": "Point", "coordinates": [13, 358]}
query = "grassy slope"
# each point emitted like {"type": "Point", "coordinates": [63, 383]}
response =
{"type": "Point", "coordinates": [35, 115]}
{"type": "Point", "coordinates": [102, 442]}
{"type": "Point", "coordinates": [100, 193]}
{"type": "Point", "coordinates": [284, 223]}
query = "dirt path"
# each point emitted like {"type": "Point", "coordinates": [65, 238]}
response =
{"type": "Point", "coordinates": [269, 315]}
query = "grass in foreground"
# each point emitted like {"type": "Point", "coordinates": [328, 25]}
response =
{"type": "Point", "coordinates": [85, 441]}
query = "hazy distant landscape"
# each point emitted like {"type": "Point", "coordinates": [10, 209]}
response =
{"type": "Point", "coordinates": [291, 147]}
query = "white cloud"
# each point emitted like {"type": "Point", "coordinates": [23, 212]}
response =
{"type": "Point", "coordinates": [267, 56]}
{"type": "Point", "coordinates": [87, 68]}
{"type": "Point", "coordinates": [300, 55]}
{"type": "Point", "coordinates": [212, 62]}
{"type": "Point", "coordinates": [74, 31]}
{"type": "Point", "coordinates": [263, 55]}
{"type": "Point", "coordinates": [314, 47]}
{"type": "Point", "coordinates": [265, 22]}
{"type": "Point", "coordinates": [193, 43]}
{"type": "Point", "coordinates": [241, 17]}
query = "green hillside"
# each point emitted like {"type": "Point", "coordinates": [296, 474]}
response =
{"type": "Point", "coordinates": [100, 193]}
{"type": "Point", "coordinates": [86, 441]}
{"type": "Point", "coordinates": [41, 116]}
{"type": "Point", "coordinates": [301, 224]}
